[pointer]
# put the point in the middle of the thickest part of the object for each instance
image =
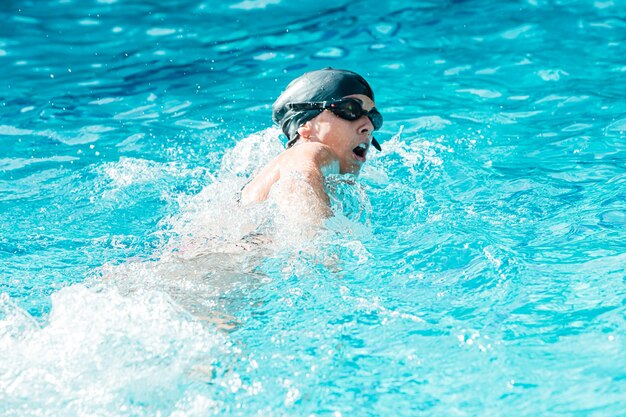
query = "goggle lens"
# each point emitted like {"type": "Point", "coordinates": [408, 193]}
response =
{"type": "Point", "coordinates": [352, 109]}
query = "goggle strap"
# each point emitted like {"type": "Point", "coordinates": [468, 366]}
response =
{"type": "Point", "coordinates": [307, 106]}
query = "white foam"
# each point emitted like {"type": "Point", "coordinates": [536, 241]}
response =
{"type": "Point", "coordinates": [417, 154]}
{"type": "Point", "coordinates": [252, 153]}
{"type": "Point", "coordinates": [129, 171]}
{"type": "Point", "coordinates": [103, 352]}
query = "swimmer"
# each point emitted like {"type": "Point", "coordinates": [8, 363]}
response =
{"type": "Point", "coordinates": [329, 117]}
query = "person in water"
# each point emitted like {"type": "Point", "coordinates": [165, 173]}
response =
{"type": "Point", "coordinates": [329, 117]}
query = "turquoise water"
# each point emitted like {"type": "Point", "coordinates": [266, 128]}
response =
{"type": "Point", "coordinates": [477, 266]}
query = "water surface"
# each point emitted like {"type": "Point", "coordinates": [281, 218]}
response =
{"type": "Point", "coordinates": [477, 267]}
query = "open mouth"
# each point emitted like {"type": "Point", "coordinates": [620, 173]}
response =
{"type": "Point", "coordinates": [360, 151]}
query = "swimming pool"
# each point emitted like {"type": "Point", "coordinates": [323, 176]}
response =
{"type": "Point", "coordinates": [477, 267]}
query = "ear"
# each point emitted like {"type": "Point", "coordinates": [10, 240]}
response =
{"type": "Point", "coordinates": [306, 130]}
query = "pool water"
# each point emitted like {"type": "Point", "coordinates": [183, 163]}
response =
{"type": "Point", "coordinates": [476, 267]}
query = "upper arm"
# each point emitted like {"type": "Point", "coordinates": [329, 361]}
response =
{"type": "Point", "coordinates": [258, 189]}
{"type": "Point", "coordinates": [308, 164]}
{"type": "Point", "coordinates": [300, 171]}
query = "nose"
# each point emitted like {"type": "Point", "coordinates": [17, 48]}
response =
{"type": "Point", "coordinates": [366, 127]}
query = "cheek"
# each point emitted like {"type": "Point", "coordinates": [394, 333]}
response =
{"type": "Point", "coordinates": [344, 133]}
{"type": "Point", "coordinates": [336, 137]}
{"type": "Point", "coordinates": [333, 131]}
{"type": "Point", "coordinates": [328, 133]}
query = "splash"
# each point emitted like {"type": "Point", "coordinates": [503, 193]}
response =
{"type": "Point", "coordinates": [104, 352]}
{"type": "Point", "coordinates": [149, 336]}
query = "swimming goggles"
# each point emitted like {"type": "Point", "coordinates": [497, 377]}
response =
{"type": "Point", "coordinates": [346, 108]}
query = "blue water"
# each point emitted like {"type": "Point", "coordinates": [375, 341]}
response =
{"type": "Point", "coordinates": [477, 266]}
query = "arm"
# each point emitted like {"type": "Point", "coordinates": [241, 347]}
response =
{"type": "Point", "coordinates": [259, 188]}
{"type": "Point", "coordinates": [301, 192]}
{"type": "Point", "coordinates": [299, 175]}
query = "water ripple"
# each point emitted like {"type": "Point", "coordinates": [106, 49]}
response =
{"type": "Point", "coordinates": [476, 267]}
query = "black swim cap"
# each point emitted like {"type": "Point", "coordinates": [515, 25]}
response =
{"type": "Point", "coordinates": [316, 86]}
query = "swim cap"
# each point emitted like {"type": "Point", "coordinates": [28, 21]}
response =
{"type": "Point", "coordinates": [316, 86]}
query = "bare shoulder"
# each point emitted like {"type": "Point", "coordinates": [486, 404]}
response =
{"type": "Point", "coordinates": [259, 187]}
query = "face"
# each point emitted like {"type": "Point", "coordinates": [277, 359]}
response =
{"type": "Point", "coordinates": [350, 140]}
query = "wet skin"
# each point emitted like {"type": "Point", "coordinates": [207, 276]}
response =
{"type": "Point", "coordinates": [342, 136]}
{"type": "Point", "coordinates": [328, 144]}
